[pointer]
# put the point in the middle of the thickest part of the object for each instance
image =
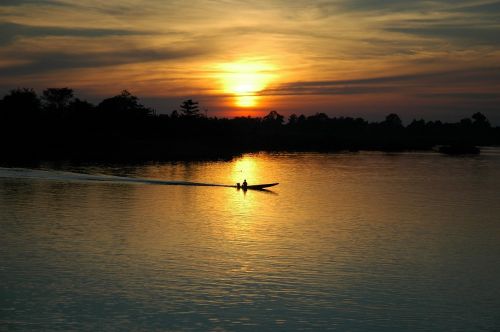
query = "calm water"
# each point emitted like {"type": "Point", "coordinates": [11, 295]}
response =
{"type": "Point", "coordinates": [347, 242]}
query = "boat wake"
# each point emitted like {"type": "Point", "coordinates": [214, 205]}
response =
{"type": "Point", "coordinates": [25, 173]}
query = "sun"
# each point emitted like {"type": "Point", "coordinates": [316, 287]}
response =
{"type": "Point", "coordinates": [244, 80]}
{"type": "Point", "coordinates": [246, 101]}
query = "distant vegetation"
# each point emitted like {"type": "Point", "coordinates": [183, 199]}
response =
{"type": "Point", "coordinates": [57, 125]}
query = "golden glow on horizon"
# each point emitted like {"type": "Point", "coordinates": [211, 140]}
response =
{"type": "Point", "coordinates": [246, 101]}
{"type": "Point", "coordinates": [245, 79]}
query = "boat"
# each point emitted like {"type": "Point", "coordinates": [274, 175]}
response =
{"type": "Point", "coordinates": [258, 186]}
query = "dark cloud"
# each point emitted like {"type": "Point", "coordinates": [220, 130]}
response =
{"type": "Point", "coordinates": [323, 88]}
{"type": "Point", "coordinates": [22, 2]}
{"type": "Point", "coordinates": [484, 77]}
{"type": "Point", "coordinates": [492, 8]}
{"type": "Point", "coordinates": [46, 62]}
{"type": "Point", "coordinates": [463, 96]}
{"type": "Point", "coordinates": [415, 6]}
{"type": "Point", "coordinates": [469, 34]}
{"type": "Point", "coordinates": [10, 31]}
{"type": "Point", "coordinates": [477, 24]}
{"type": "Point", "coordinates": [381, 5]}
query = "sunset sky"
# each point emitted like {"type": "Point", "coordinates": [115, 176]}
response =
{"type": "Point", "coordinates": [430, 59]}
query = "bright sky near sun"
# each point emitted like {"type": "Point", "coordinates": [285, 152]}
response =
{"type": "Point", "coordinates": [432, 59]}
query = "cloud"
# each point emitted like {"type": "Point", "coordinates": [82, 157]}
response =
{"type": "Point", "coordinates": [406, 6]}
{"type": "Point", "coordinates": [56, 61]}
{"type": "Point", "coordinates": [308, 42]}
{"type": "Point", "coordinates": [11, 31]}
{"type": "Point", "coordinates": [490, 8]}
{"type": "Point", "coordinates": [463, 33]}
{"type": "Point", "coordinates": [381, 5]}
{"type": "Point", "coordinates": [23, 2]}
{"type": "Point", "coordinates": [464, 96]}
{"type": "Point", "coordinates": [486, 77]}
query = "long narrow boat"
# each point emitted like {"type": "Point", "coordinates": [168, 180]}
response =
{"type": "Point", "coordinates": [260, 186]}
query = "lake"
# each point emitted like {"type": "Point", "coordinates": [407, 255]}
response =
{"type": "Point", "coordinates": [348, 242]}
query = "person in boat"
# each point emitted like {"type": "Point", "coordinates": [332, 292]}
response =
{"type": "Point", "coordinates": [244, 185]}
{"type": "Point", "coordinates": [238, 185]}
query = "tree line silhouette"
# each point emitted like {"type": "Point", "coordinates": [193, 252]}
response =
{"type": "Point", "coordinates": [58, 125]}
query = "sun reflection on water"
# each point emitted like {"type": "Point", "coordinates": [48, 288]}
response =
{"type": "Point", "coordinates": [246, 168]}
{"type": "Point", "coordinates": [217, 258]}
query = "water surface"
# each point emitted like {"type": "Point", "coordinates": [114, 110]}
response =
{"type": "Point", "coordinates": [347, 242]}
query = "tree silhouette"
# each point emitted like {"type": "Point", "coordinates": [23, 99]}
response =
{"type": "Point", "coordinates": [318, 118]}
{"type": "Point", "coordinates": [125, 104]}
{"type": "Point", "coordinates": [393, 121]}
{"type": "Point", "coordinates": [273, 118]}
{"type": "Point", "coordinates": [292, 120]}
{"type": "Point", "coordinates": [81, 107]}
{"type": "Point", "coordinates": [417, 125]}
{"type": "Point", "coordinates": [20, 102]}
{"type": "Point", "coordinates": [121, 127]}
{"type": "Point", "coordinates": [57, 99]}
{"type": "Point", "coordinates": [189, 109]}
{"type": "Point", "coordinates": [480, 120]}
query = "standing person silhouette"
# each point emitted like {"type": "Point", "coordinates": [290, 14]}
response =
{"type": "Point", "coordinates": [244, 185]}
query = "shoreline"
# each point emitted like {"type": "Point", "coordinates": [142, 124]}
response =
{"type": "Point", "coordinates": [195, 156]}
